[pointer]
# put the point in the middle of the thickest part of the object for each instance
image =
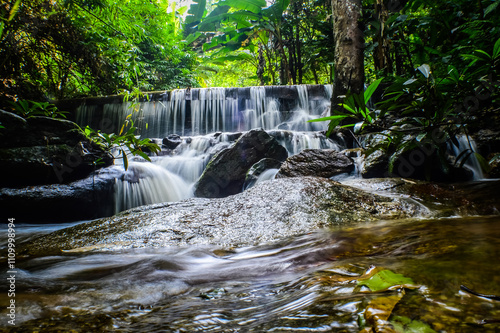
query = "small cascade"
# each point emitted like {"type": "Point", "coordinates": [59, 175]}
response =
{"type": "Point", "coordinates": [261, 111]}
{"type": "Point", "coordinates": [295, 142]}
{"type": "Point", "coordinates": [266, 175]}
{"type": "Point", "coordinates": [168, 178]}
{"type": "Point", "coordinates": [148, 183]}
{"type": "Point", "coordinates": [466, 148]}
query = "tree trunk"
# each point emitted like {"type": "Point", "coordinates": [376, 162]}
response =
{"type": "Point", "coordinates": [261, 66]}
{"type": "Point", "coordinates": [349, 45]}
{"type": "Point", "coordinates": [299, 54]}
{"type": "Point", "coordinates": [381, 53]}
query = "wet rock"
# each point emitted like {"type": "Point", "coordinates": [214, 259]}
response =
{"type": "Point", "coordinates": [258, 168]}
{"type": "Point", "coordinates": [43, 150]}
{"type": "Point", "coordinates": [226, 171]}
{"type": "Point", "coordinates": [423, 162]}
{"type": "Point", "coordinates": [316, 162]}
{"type": "Point", "coordinates": [494, 171]}
{"type": "Point", "coordinates": [375, 165]}
{"type": "Point", "coordinates": [265, 213]}
{"type": "Point", "coordinates": [88, 198]}
{"type": "Point", "coordinates": [353, 152]}
{"type": "Point", "coordinates": [172, 141]}
{"type": "Point", "coordinates": [463, 199]}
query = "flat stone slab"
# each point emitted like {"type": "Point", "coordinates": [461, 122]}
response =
{"type": "Point", "coordinates": [267, 212]}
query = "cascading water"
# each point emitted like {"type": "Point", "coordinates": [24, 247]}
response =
{"type": "Point", "coordinates": [465, 150]}
{"type": "Point", "coordinates": [148, 183]}
{"type": "Point", "coordinates": [207, 121]}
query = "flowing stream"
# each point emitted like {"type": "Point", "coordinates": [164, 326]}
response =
{"type": "Point", "coordinates": [307, 283]}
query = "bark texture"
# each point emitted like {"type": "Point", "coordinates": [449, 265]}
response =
{"type": "Point", "coordinates": [349, 45]}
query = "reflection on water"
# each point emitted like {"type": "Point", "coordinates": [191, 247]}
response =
{"type": "Point", "coordinates": [306, 283]}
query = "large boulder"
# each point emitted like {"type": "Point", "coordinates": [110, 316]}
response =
{"type": "Point", "coordinates": [41, 150]}
{"type": "Point", "coordinates": [316, 162]}
{"type": "Point", "coordinates": [88, 198]}
{"type": "Point", "coordinates": [226, 171]}
{"type": "Point", "coordinates": [265, 213]}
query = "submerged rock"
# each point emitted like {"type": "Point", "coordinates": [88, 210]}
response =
{"type": "Point", "coordinates": [43, 150]}
{"type": "Point", "coordinates": [226, 171]}
{"type": "Point", "coordinates": [316, 162]}
{"type": "Point", "coordinates": [265, 213]}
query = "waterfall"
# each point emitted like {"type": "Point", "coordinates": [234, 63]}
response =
{"type": "Point", "coordinates": [193, 112]}
{"type": "Point", "coordinates": [147, 183]}
{"type": "Point", "coordinates": [295, 142]}
{"type": "Point", "coordinates": [207, 120]}
{"type": "Point", "coordinates": [168, 178]}
{"type": "Point", "coordinates": [466, 149]}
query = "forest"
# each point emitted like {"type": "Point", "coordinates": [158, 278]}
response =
{"type": "Point", "coordinates": [435, 65]}
{"type": "Point", "coordinates": [73, 48]}
{"type": "Point", "coordinates": [250, 165]}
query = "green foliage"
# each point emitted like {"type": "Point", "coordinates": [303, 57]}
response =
{"type": "Point", "coordinates": [429, 117]}
{"type": "Point", "coordinates": [7, 14]}
{"type": "Point", "coordinates": [124, 143]}
{"type": "Point", "coordinates": [27, 109]}
{"type": "Point", "coordinates": [356, 107]}
{"type": "Point", "coordinates": [291, 40]}
{"type": "Point", "coordinates": [69, 48]}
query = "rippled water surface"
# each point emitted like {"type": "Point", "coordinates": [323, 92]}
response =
{"type": "Point", "coordinates": [304, 284]}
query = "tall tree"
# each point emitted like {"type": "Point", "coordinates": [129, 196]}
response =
{"type": "Point", "coordinates": [349, 46]}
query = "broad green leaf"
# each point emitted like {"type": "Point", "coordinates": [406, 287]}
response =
{"type": "Point", "coordinates": [275, 11]}
{"type": "Point", "coordinates": [496, 48]}
{"type": "Point", "coordinates": [143, 155]}
{"type": "Point", "coordinates": [420, 137]}
{"type": "Point", "coordinates": [332, 125]}
{"type": "Point", "coordinates": [340, 117]}
{"type": "Point", "coordinates": [387, 279]}
{"type": "Point", "coordinates": [254, 6]}
{"type": "Point", "coordinates": [196, 11]}
{"type": "Point", "coordinates": [223, 60]}
{"type": "Point", "coordinates": [349, 108]}
{"type": "Point", "coordinates": [371, 89]}
{"type": "Point", "coordinates": [192, 37]}
{"type": "Point", "coordinates": [14, 10]}
{"type": "Point", "coordinates": [482, 55]}
{"type": "Point", "coordinates": [359, 101]}
{"type": "Point", "coordinates": [491, 7]}
{"type": "Point", "coordinates": [241, 18]}
{"type": "Point", "coordinates": [453, 73]}
{"type": "Point", "coordinates": [407, 325]}
{"type": "Point", "coordinates": [494, 159]}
